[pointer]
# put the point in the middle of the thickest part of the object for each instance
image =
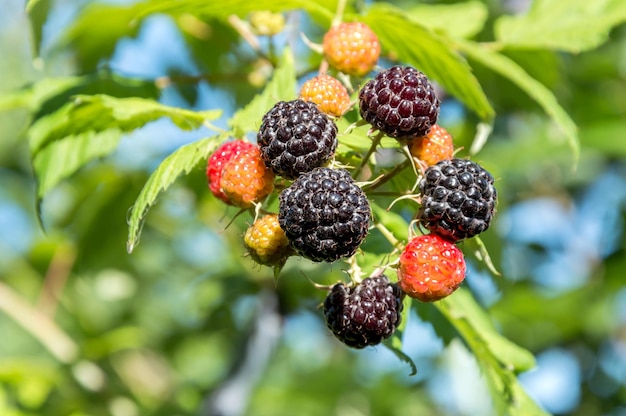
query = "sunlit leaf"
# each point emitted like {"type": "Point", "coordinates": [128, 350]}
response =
{"type": "Point", "coordinates": [458, 20]}
{"type": "Point", "coordinates": [569, 25]}
{"type": "Point", "coordinates": [179, 162]}
{"type": "Point", "coordinates": [319, 10]}
{"type": "Point", "coordinates": [482, 254]}
{"type": "Point", "coordinates": [356, 138]}
{"type": "Point", "coordinates": [498, 358]}
{"type": "Point", "coordinates": [462, 306]}
{"type": "Point", "coordinates": [414, 44]}
{"type": "Point", "coordinates": [33, 96]}
{"type": "Point", "coordinates": [393, 221]}
{"type": "Point", "coordinates": [64, 157]}
{"type": "Point", "coordinates": [536, 90]}
{"type": "Point", "coordinates": [101, 112]}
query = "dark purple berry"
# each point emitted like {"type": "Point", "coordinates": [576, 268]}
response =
{"type": "Point", "coordinates": [365, 314]}
{"type": "Point", "coordinates": [400, 101]}
{"type": "Point", "coordinates": [324, 214]}
{"type": "Point", "coordinates": [296, 137]}
{"type": "Point", "coordinates": [458, 199]}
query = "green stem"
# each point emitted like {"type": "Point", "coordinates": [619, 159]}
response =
{"type": "Point", "coordinates": [375, 142]}
{"type": "Point", "coordinates": [341, 7]}
{"type": "Point", "coordinates": [388, 235]}
{"type": "Point", "coordinates": [387, 177]}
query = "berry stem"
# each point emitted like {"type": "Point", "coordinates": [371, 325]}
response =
{"type": "Point", "coordinates": [411, 159]}
{"type": "Point", "coordinates": [388, 235]}
{"type": "Point", "coordinates": [355, 270]}
{"type": "Point", "coordinates": [341, 7]}
{"type": "Point", "coordinates": [386, 177]}
{"type": "Point", "coordinates": [375, 142]}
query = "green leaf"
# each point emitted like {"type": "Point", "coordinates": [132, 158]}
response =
{"type": "Point", "coordinates": [603, 136]}
{"type": "Point", "coordinates": [414, 44]}
{"type": "Point", "coordinates": [33, 96]}
{"type": "Point", "coordinates": [356, 138]}
{"type": "Point", "coordinates": [568, 25]}
{"type": "Point", "coordinates": [62, 158]}
{"type": "Point", "coordinates": [97, 113]}
{"type": "Point", "coordinates": [322, 11]}
{"type": "Point", "coordinates": [394, 222]}
{"type": "Point", "coordinates": [536, 90]}
{"type": "Point", "coordinates": [482, 254]}
{"type": "Point", "coordinates": [498, 358]}
{"type": "Point", "coordinates": [395, 345]}
{"type": "Point", "coordinates": [459, 20]}
{"type": "Point", "coordinates": [395, 342]}
{"type": "Point", "coordinates": [282, 87]}
{"type": "Point", "coordinates": [461, 306]}
{"type": "Point", "coordinates": [181, 161]}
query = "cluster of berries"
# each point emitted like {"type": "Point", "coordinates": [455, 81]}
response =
{"type": "Point", "coordinates": [324, 215]}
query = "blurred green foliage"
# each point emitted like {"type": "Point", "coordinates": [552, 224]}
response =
{"type": "Point", "coordinates": [187, 324]}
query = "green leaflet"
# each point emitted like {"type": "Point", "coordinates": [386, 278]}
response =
{"type": "Point", "coordinates": [536, 90]}
{"type": "Point", "coordinates": [90, 127]}
{"type": "Point", "coordinates": [101, 112]}
{"type": "Point", "coordinates": [179, 162]}
{"type": "Point", "coordinates": [63, 158]}
{"type": "Point", "coordinates": [320, 10]}
{"type": "Point", "coordinates": [38, 15]}
{"type": "Point", "coordinates": [458, 20]}
{"type": "Point", "coordinates": [414, 44]}
{"type": "Point", "coordinates": [32, 97]}
{"type": "Point", "coordinates": [498, 358]}
{"type": "Point", "coordinates": [568, 25]}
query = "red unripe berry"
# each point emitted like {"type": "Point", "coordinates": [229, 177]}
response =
{"type": "Point", "coordinates": [431, 268]}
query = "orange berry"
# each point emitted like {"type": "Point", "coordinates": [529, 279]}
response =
{"type": "Point", "coordinates": [352, 48]}
{"type": "Point", "coordinates": [330, 95]}
{"type": "Point", "coordinates": [434, 147]}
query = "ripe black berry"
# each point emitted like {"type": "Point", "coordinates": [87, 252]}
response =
{"type": "Point", "coordinates": [458, 199]}
{"type": "Point", "coordinates": [324, 214]}
{"type": "Point", "coordinates": [400, 102]}
{"type": "Point", "coordinates": [296, 137]}
{"type": "Point", "coordinates": [366, 314]}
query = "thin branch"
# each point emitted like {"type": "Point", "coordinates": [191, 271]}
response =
{"type": "Point", "coordinates": [387, 177]}
{"type": "Point", "coordinates": [338, 18]}
{"type": "Point", "coordinates": [244, 31]}
{"type": "Point", "coordinates": [56, 276]}
{"type": "Point", "coordinates": [375, 142]}
{"type": "Point", "coordinates": [38, 324]}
